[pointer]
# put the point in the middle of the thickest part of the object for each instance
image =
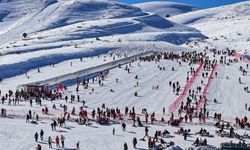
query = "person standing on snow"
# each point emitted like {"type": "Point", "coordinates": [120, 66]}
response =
{"type": "Point", "coordinates": [54, 125]}
{"type": "Point", "coordinates": [134, 142]}
{"type": "Point", "coordinates": [62, 140]}
{"type": "Point", "coordinates": [146, 131]}
{"type": "Point", "coordinates": [27, 118]}
{"type": "Point", "coordinates": [78, 145]}
{"type": "Point", "coordinates": [185, 135]}
{"type": "Point", "coordinates": [50, 142]}
{"type": "Point", "coordinates": [41, 134]}
{"type": "Point", "coordinates": [125, 146]}
{"type": "Point", "coordinates": [30, 114]}
{"type": "Point", "coordinates": [113, 131]}
{"type": "Point", "coordinates": [57, 142]}
{"type": "Point", "coordinates": [36, 136]}
{"type": "Point", "coordinates": [123, 127]}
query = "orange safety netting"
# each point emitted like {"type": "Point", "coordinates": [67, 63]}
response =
{"type": "Point", "coordinates": [206, 87]}
{"type": "Point", "coordinates": [179, 100]}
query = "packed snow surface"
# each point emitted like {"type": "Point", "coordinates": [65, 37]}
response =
{"type": "Point", "coordinates": [78, 34]}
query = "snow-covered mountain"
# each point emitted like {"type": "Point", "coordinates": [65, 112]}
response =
{"type": "Point", "coordinates": [165, 8]}
{"type": "Point", "coordinates": [63, 34]}
{"type": "Point", "coordinates": [226, 26]}
{"type": "Point", "coordinates": [43, 15]}
{"type": "Point", "coordinates": [59, 30]}
{"type": "Point", "coordinates": [240, 9]}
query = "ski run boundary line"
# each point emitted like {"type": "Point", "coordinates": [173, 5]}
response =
{"type": "Point", "coordinates": [178, 101]}
{"type": "Point", "coordinates": [206, 87]}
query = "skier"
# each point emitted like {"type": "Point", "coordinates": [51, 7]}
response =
{"type": "Point", "coordinates": [36, 136]}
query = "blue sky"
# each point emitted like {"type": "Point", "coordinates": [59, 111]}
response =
{"type": "Point", "coordinates": [196, 3]}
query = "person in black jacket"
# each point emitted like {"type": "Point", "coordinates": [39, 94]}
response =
{"type": "Point", "coordinates": [125, 146]}
{"type": "Point", "coordinates": [134, 142]}
{"type": "Point", "coordinates": [41, 134]}
{"type": "Point", "coordinates": [36, 136]}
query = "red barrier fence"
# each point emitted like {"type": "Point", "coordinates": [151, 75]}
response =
{"type": "Point", "coordinates": [178, 101]}
{"type": "Point", "coordinates": [246, 60]}
{"type": "Point", "coordinates": [206, 87]}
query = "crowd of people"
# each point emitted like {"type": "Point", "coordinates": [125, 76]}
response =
{"type": "Point", "coordinates": [187, 111]}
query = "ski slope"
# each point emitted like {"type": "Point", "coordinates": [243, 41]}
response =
{"type": "Point", "coordinates": [231, 102]}
{"type": "Point", "coordinates": [63, 31]}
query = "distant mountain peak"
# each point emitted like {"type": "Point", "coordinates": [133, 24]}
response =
{"type": "Point", "coordinates": [165, 9]}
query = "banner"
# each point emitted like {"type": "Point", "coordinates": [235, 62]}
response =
{"type": "Point", "coordinates": [60, 87]}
